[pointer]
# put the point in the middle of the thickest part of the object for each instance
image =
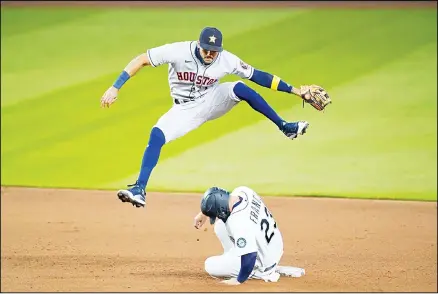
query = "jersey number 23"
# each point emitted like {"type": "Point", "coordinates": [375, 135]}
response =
{"type": "Point", "coordinates": [269, 225]}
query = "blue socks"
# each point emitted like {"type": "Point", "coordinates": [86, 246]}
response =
{"type": "Point", "coordinates": [257, 102]}
{"type": "Point", "coordinates": [151, 155]}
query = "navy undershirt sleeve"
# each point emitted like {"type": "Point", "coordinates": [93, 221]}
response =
{"type": "Point", "coordinates": [264, 79]}
{"type": "Point", "coordinates": [247, 263]}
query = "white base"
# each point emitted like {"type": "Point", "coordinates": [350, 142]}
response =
{"type": "Point", "coordinates": [290, 271]}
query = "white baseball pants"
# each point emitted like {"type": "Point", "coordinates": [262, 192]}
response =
{"type": "Point", "coordinates": [227, 265]}
{"type": "Point", "coordinates": [183, 118]}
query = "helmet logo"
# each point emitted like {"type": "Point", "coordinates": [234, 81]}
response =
{"type": "Point", "coordinates": [212, 39]}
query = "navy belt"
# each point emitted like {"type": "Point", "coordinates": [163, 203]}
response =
{"type": "Point", "coordinates": [185, 100]}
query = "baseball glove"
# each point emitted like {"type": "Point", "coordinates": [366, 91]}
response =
{"type": "Point", "coordinates": [315, 96]}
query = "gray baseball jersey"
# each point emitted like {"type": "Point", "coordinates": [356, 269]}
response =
{"type": "Point", "coordinates": [189, 79]}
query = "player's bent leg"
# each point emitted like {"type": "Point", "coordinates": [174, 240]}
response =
{"type": "Point", "coordinates": [243, 92]}
{"type": "Point", "coordinates": [222, 234]}
{"type": "Point", "coordinates": [256, 101]}
{"type": "Point", "coordinates": [175, 123]}
{"type": "Point", "coordinates": [220, 101]}
{"type": "Point", "coordinates": [223, 266]}
{"type": "Point", "coordinates": [179, 121]}
{"type": "Point", "coordinates": [228, 266]}
{"type": "Point", "coordinates": [151, 155]}
{"type": "Point", "coordinates": [136, 194]}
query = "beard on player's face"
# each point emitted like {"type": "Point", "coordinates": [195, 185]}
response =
{"type": "Point", "coordinates": [207, 55]}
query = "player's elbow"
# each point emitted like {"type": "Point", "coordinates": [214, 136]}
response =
{"type": "Point", "coordinates": [137, 63]}
{"type": "Point", "coordinates": [143, 59]}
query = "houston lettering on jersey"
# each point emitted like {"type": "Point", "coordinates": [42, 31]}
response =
{"type": "Point", "coordinates": [200, 80]}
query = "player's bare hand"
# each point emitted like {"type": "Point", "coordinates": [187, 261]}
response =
{"type": "Point", "coordinates": [109, 97]}
{"type": "Point", "coordinates": [231, 282]}
{"type": "Point", "coordinates": [200, 220]}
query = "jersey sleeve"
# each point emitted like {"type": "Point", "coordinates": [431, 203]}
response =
{"type": "Point", "coordinates": [241, 68]}
{"type": "Point", "coordinates": [243, 233]}
{"type": "Point", "coordinates": [163, 54]}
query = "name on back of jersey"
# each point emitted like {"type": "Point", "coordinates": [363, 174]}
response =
{"type": "Point", "coordinates": [256, 204]}
{"type": "Point", "coordinates": [191, 76]}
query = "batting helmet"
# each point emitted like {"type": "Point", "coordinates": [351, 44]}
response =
{"type": "Point", "coordinates": [211, 39]}
{"type": "Point", "coordinates": [215, 204]}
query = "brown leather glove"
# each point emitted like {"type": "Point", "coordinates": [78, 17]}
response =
{"type": "Point", "coordinates": [315, 96]}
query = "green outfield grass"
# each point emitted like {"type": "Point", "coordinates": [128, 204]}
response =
{"type": "Point", "coordinates": [377, 140]}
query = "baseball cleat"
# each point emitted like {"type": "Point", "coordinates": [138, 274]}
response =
{"type": "Point", "coordinates": [135, 195]}
{"type": "Point", "coordinates": [293, 129]}
{"type": "Point", "coordinates": [273, 277]}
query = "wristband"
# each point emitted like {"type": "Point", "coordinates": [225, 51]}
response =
{"type": "Point", "coordinates": [121, 80]}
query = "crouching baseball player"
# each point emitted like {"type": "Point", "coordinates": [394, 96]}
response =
{"type": "Point", "coordinates": [250, 237]}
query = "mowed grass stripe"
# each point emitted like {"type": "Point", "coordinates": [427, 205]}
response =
{"type": "Point", "coordinates": [82, 49]}
{"type": "Point", "coordinates": [22, 20]}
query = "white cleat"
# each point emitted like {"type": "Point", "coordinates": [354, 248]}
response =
{"type": "Point", "coordinates": [273, 277]}
{"type": "Point", "coordinates": [302, 127]}
{"type": "Point", "coordinates": [293, 129]}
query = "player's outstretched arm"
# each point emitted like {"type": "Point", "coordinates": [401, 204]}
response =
{"type": "Point", "coordinates": [273, 82]}
{"type": "Point", "coordinates": [110, 96]}
{"type": "Point", "coordinates": [315, 95]}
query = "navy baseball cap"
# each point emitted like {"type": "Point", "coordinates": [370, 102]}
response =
{"type": "Point", "coordinates": [211, 39]}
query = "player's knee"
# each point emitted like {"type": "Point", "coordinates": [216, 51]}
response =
{"type": "Point", "coordinates": [242, 91]}
{"type": "Point", "coordinates": [239, 89]}
{"type": "Point", "coordinates": [241, 83]}
{"type": "Point", "coordinates": [209, 266]}
{"type": "Point", "coordinates": [222, 266]}
{"type": "Point", "coordinates": [157, 137]}
{"type": "Point", "coordinates": [215, 268]}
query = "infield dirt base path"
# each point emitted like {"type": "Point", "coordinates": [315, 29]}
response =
{"type": "Point", "coordinates": [72, 240]}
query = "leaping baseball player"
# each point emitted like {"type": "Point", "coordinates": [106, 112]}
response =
{"type": "Point", "coordinates": [249, 234]}
{"type": "Point", "coordinates": [195, 69]}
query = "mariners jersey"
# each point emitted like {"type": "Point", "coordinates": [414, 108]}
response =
{"type": "Point", "coordinates": [189, 79]}
{"type": "Point", "coordinates": [252, 228]}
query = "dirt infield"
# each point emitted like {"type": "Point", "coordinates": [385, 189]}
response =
{"type": "Point", "coordinates": [72, 240]}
